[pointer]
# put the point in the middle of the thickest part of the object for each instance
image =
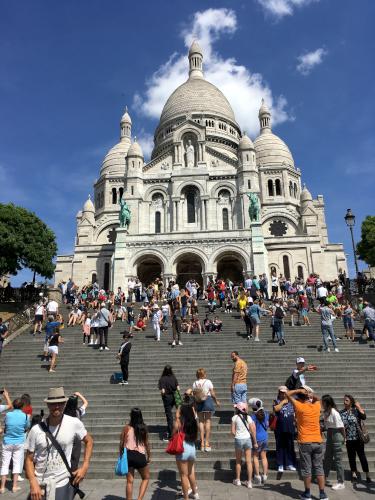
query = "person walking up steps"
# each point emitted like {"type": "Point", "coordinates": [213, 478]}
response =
{"type": "Point", "coordinates": [123, 355]}
{"type": "Point", "coordinates": [156, 320]}
{"type": "Point", "coordinates": [103, 327]}
{"type": "Point", "coordinates": [326, 317]}
{"type": "Point", "coordinates": [243, 430]}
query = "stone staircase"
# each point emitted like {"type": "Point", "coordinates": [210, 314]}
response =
{"type": "Point", "coordinates": [82, 368]}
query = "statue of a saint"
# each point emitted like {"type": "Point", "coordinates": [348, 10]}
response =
{"type": "Point", "coordinates": [125, 214]}
{"type": "Point", "coordinates": [190, 154]}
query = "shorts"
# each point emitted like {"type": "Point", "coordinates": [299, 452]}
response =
{"type": "Point", "coordinates": [131, 323]}
{"type": "Point", "coordinates": [206, 406]}
{"type": "Point", "coordinates": [254, 320]}
{"type": "Point", "coordinates": [136, 459]}
{"type": "Point", "coordinates": [348, 322]}
{"type": "Point", "coordinates": [262, 446]}
{"type": "Point", "coordinates": [242, 444]}
{"type": "Point", "coordinates": [304, 313]}
{"type": "Point", "coordinates": [38, 318]}
{"type": "Point", "coordinates": [53, 349]}
{"type": "Point", "coordinates": [189, 453]}
{"type": "Point", "coordinates": [311, 458]}
{"type": "Point", "coordinates": [275, 289]}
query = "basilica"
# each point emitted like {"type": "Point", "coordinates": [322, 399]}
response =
{"type": "Point", "coordinates": [189, 212]}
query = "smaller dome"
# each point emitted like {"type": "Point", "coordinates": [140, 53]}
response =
{"type": "Point", "coordinates": [305, 195]}
{"type": "Point", "coordinates": [195, 48]}
{"type": "Point", "coordinates": [88, 206]}
{"type": "Point", "coordinates": [245, 143]}
{"type": "Point", "coordinates": [263, 110]}
{"type": "Point", "coordinates": [135, 150]}
{"type": "Point", "coordinates": [271, 150]}
{"type": "Point", "coordinates": [126, 117]}
{"type": "Point", "coordinates": [114, 160]}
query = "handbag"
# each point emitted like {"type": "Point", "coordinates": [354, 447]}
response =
{"type": "Point", "coordinates": [177, 398]}
{"type": "Point", "coordinates": [272, 422]}
{"type": "Point", "coordinates": [121, 468]}
{"type": "Point", "coordinates": [363, 433]}
{"type": "Point", "coordinates": [60, 451]}
{"type": "Point", "coordinates": [176, 444]}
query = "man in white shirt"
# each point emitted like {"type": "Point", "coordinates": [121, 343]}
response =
{"type": "Point", "coordinates": [52, 308]}
{"type": "Point", "coordinates": [44, 466]}
{"type": "Point", "coordinates": [8, 405]}
{"type": "Point", "coordinates": [321, 294]}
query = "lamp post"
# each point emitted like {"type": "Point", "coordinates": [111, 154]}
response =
{"type": "Point", "coordinates": [350, 222]}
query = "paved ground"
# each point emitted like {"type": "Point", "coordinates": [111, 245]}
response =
{"type": "Point", "coordinates": [211, 490]}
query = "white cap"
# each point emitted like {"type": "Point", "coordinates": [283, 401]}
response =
{"type": "Point", "coordinates": [300, 360]}
{"type": "Point", "coordinates": [256, 403]}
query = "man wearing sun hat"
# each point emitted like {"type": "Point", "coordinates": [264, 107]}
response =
{"type": "Point", "coordinates": [45, 469]}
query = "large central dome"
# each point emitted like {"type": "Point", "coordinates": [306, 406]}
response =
{"type": "Point", "coordinates": [197, 95]}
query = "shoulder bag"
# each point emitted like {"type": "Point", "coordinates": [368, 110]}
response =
{"type": "Point", "coordinates": [121, 468]}
{"type": "Point", "coordinates": [363, 433]}
{"type": "Point", "coordinates": [176, 444]}
{"type": "Point", "coordinates": [60, 451]}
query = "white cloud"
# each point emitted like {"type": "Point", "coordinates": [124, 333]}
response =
{"type": "Point", "coordinates": [243, 89]}
{"type": "Point", "coordinates": [146, 141]}
{"type": "Point", "coordinates": [306, 62]}
{"type": "Point", "coordinates": [280, 8]}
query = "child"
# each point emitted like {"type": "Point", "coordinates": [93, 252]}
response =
{"type": "Point", "coordinates": [165, 313]}
{"type": "Point", "coordinates": [228, 305]}
{"type": "Point", "coordinates": [86, 328]}
{"type": "Point", "coordinates": [261, 420]}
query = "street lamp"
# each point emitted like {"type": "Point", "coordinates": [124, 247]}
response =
{"type": "Point", "coordinates": [350, 222]}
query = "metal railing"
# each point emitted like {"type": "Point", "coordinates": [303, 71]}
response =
{"type": "Point", "coordinates": [26, 294]}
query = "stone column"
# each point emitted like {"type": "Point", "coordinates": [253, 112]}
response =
{"type": "Point", "coordinates": [180, 218]}
{"type": "Point", "coordinates": [260, 255]}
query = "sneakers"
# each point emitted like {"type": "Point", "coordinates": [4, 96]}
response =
{"type": "Point", "coordinates": [173, 344]}
{"type": "Point", "coordinates": [195, 496]}
{"type": "Point", "coordinates": [336, 350]}
{"type": "Point", "coordinates": [264, 478]}
{"type": "Point", "coordinates": [124, 382]}
{"type": "Point", "coordinates": [236, 482]}
{"type": "Point", "coordinates": [180, 343]}
{"type": "Point", "coordinates": [249, 484]}
{"type": "Point", "coordinates": [208, 448]}
{"type": "Point", "coordinates": [256, 339]}
{"type": "Point", "coordinates": [257, 480]}
{"type": "Point", "coordinates": [327, 350]}
{"type": "Point", "coordinates": [106, 348]}
{"type": "Point", "coordinates": [323, 496]}
{"type": "Point", "coordinates": [305, 496]}
{"type": "Point", "coordinates": [291, 467]}
{"type": "Point", "coordinates": [338, 486]}
{"type": "Point", "coordinates": [100, 348]}
{"type": "Point", "coordinates": [280, 468]}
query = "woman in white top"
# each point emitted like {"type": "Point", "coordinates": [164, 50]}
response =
{"type": "Point", "coordinates": [335, 441]}
{"type": "Point", "coordinates": [40, 313]}
{"type": "Point", "coordinates": [205, 396]}
{"type": "Point", "coordinates": [244, 432]}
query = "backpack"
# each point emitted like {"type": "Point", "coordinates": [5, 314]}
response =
{"type": "Point", "coordinates": [279, 313]}
{"type": "Point", "coordinates": [199, 394]}
{"type": "Point", "coordinates": [293, 383]}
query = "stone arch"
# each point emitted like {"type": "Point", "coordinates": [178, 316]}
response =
{"type": "Point", "coordinates": [198, 131]}
{"type": "Point", "coordinates": [304, 269]}
{"type": "Point", "coordinates": [98, 234]}
{"type": "Point", "coordinates": [214, 193]}
{"type": "Point", "coordinates": [288, 218]}
{"type": "Point", "coordinates": [232, 250]}
{"type": "Point", "coordinates": [189, 263]}
{"type": "Point", "coordinates": [148, 265]}
{"type": "Point", "coordinates": [153, 190]}
{"type": "Point", "coordinates": [190, 183]}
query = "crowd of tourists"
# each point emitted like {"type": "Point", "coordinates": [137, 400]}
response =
{"type": "Point", "coordinates": [49, 448]}
{"type": "Point", "coordinates": [52, 445]}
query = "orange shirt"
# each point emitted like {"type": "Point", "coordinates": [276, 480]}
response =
{"type": "Point", "coordinates": [240, 368]}
{"type": "Point", "coordinates": [308, 426]}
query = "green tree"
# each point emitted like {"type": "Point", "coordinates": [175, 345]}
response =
{"type": "Point", "coordinates": [366, 247]}
{"type": "Point", "coordinates": [25, 241]}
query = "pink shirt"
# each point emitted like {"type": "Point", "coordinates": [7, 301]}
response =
{"type": "Point", "coordinates": [131, 443]}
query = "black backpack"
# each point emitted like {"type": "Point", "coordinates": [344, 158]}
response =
{"type": "Point", "coordinates": [279, 313]}
{"type": "Point", "coordinates": [293, 383]}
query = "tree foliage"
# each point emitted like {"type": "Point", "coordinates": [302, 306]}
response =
{"type": "Point", "coordinates": [25, 241]}
{"type": "Point", "coordinates": [366, 247]}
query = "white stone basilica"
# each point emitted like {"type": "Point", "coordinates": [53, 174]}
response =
{"type": "Point", "coordinates": [189, 204]}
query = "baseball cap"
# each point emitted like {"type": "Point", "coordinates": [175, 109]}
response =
{"type": "Point", "coordinates": [256, 403]}
{"type": "Point", "coordinates": [300, 360]}
{"type": "Point", "coordinates": [283, 388]}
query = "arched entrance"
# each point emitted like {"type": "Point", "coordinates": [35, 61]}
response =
{"type": "Point", "coordinates": [189, 266]}
{"type": "Point", "coordinates": [230, 267]}
{"type": "Point", "coordinates": [149, 268]}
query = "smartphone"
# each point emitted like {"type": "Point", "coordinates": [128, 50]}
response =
{"type": "Point", "coordinates": [2, 392]}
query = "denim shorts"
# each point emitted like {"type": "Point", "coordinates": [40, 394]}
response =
{"type": "Point", "coordinates": [348, 322]}
{"type": "Point", "coordinates": [189, 452]}
{"type": "Point", "coordinates": [242, 444]}
{"type": "Point", "coordinates": [304, 312]}
{"type": "Point", "coordinates": [262, 446]}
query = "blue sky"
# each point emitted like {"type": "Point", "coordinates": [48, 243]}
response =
{"type": "Point", "coordinates": [67, 70]}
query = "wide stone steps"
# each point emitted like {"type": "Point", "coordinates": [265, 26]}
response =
{"type": "Point", "coordinates": [87, 370]}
